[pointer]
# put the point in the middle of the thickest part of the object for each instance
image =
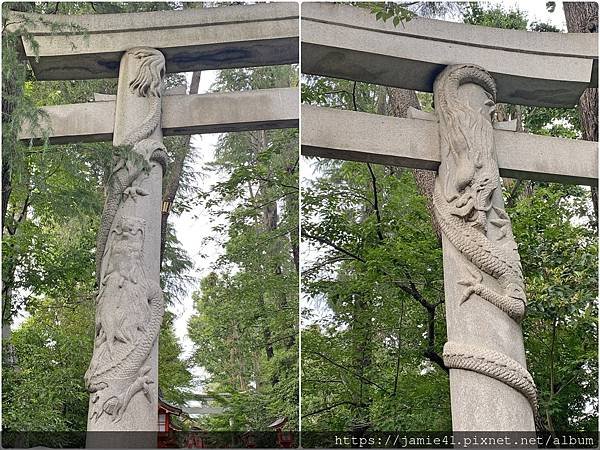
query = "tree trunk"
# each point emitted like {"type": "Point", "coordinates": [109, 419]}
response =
{"type": "Point", "coordinates": [6, 188]}
{"type": "Point", "coordinates": [399, 101]}
{"type": "Point", "coordinates": [175, 170]}
{"type": "Point", "coordinates": [11, 94]}
{"type": "Point", "coordinates": [171, 186]}
{"type": "Point", "coordinates": [582, 17]}
{"type": "Point", "coordinates": [9, 268]}
{"type": "Point", "coordinates": [291, 205]}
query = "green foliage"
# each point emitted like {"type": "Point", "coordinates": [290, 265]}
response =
{"type": "Point", "coordinates": [366, 356]}
{"type": "Point", "coordinates": [43, 388]}
{"type": "Point", "coordinates": [54, 197]}
{"type": "Point", "coordinates": [245, 326]}
{"type": "Point", "coordinates": [557, 122]}
{"type": "Point", "coordinates": [496, 17]}
{"type": "Point", "coordinates": [45, 391]}
{"type": "Point", "coordinates": [342, 94]}
{"type": "Point", "coordinates": [174, 376]}
{"type": "Point", "coordinates": [388, 10]}
{"type": "Point", "coordinates": [559, 252]}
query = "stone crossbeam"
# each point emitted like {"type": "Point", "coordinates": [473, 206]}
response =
{"type": "Point", "coordinates": [203, 410]}
{"type": "Point", "coordinates": [414, 143]}
{"type": "Point", "coordinates": [530, 68]}
{"type": "Point", "coordinates": [191, 39]}
{"type": "Point", "coordinates": [183, 115]}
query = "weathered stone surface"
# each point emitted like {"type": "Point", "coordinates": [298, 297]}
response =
{"type": "Point", "coordinates": [182, 115]}
{"type": "Point", "coordinates": [123, 374]}
{"type": "Point", "coordinates": [490, 387]}
{"type": "Point", "coordinates": [415, 143]}
{"type": "Point", "coordinates": [545, 69]}
{"type": "Point", "coordinates": [194, 39]}
{"type": "Point", "coordinates": [175, 90]}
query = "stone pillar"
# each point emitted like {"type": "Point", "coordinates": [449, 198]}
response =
{"type": "Point", "coordinates": [490, 387]}
{"type": "Point", "coordinates": [123, 374]}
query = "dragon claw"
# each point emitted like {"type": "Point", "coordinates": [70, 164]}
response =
{"type": "Point", "coordinates": [470, 282]}
{"type": "Point", "coordinates": [502, 222]}
{"type": "Point", "coordinates": [133, 191]}
{"type": "Point", "coordinates": [466, 295]}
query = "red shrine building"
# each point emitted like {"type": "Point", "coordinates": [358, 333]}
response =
{"type": "Point", "coordinates": [167, 429]}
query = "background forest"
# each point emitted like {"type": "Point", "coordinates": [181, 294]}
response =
{"type": "Point", "coordinates": [373, 323]}
{"type": "Point", "coordinates": [244, 328]}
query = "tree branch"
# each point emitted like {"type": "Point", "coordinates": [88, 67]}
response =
{"type": "Point", "coordinates": [430, 353]}
{"type": "Point", "coordinates": [376, 202]}
{"type": "Point", "coordinates": [333, 245]}
{"type": "Point", "coordinates": [512, 197]}
{"type": "Point", "coordinates": [328, 408]}
{"type": "Point", "coordinates": [351, 371]}
{"type": "Point", "coordinates": [398, 349]}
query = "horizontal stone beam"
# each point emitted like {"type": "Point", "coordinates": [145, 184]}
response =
{"type": "Point", "coordinates": [530, 68]}
{"type": "Point", "coordinates": [182, 115]}
{"type": "Point", "coordinates": [203, 410]}
{"type": "Point", "coordinates": [414, 143]}
{"type": "Point", "coordinates": [91, 46]}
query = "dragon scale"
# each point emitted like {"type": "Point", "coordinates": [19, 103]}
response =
{"type": "Point", "coordinates": [130, 305]}
{"type": "Point", "coordinates": [467, 205]}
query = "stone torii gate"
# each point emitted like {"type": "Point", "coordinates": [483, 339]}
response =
{"type": "Point", "coordinates": [468, 68]}
{"type": "Point", "coordinates": [139, 49]}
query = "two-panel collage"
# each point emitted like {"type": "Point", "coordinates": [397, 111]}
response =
{"type": "Point", "coordinates": [300, 224]}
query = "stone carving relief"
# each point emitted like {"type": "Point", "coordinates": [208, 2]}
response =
{"type": "Point", "coordinates": [479, 229]}
{"type": "Point", "coordinates": [147, 83]}
{"type": "Point", "coordinates": [129, 306]}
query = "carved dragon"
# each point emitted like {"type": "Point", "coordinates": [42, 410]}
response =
{"type": "Point", "coordinates": [147, 83]}
{"type": "Point", "coordinates": [493, 364]}
{"type": "Point", "coordinates": [128, 318]}
{"type": "Point", "coordinates": [130, 306]}
{"type": "Point", "coordinates": [464, 208]}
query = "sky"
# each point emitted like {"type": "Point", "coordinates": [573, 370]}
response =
{"type": "Point", "coordinates": [193, 227]}
{"type": "Point", "coordinates": [536, 11]}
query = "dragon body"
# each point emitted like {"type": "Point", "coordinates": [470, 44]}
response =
{"type": "Point", "coordinates": [129, 306]}
{"type": "Point", "coordinates": [466, 209]}
{"type": "Point", "coordinates": [463, 203]}
{"type": "Point", "coordinates": [127, 171]}
{"type": "Point", "coordinates": [488, 257]}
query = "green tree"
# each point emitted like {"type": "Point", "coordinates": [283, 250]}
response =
{"type": "Point", "coordinates": [366, 338]}
{"type": "Point", "coordinates": [245, 326]}
{"type": "Point", "coordinates": [54, 198]}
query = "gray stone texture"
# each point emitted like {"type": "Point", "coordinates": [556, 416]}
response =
{"type": "Point", "coordinates": [479, 401]}
{"type": "Point", "coordinates": [543, 69]}
{"type": "Point", "coordinates": [194, 39]}
{"type": "Point", "coordinates": [182, 115]}
{"type": "Point", "coordinates": [414, 143]}
{"type": "Point", "coordinates": [142, 206]}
